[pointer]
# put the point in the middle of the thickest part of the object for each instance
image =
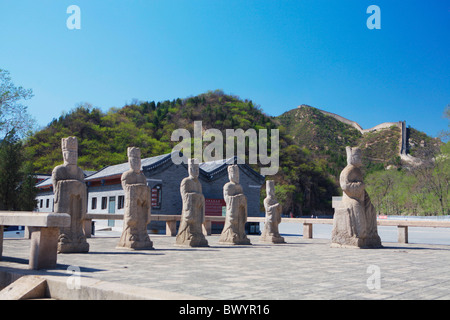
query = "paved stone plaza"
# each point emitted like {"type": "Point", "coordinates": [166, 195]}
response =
{"type": "Point", "coordinates": [299, 269]}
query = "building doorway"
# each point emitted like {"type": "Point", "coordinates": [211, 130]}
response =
{"type": "Point", "coordinates": [112, 210]}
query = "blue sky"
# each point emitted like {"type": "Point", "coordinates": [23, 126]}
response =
{"type": "Point", "coordinates": [278, 53]}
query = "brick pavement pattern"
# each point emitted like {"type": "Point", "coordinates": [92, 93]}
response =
{"type": "Point", "coordinates": [299, 269]}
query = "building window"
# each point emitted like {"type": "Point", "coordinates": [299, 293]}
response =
{"type": "Point", "coordinates": [104, 203]}
{"type": "Point", "coordinates": [157, 197]}
{"type": "Point", "coordinates": [47, 203]}
{"type": "Point", "coordinates": [41, 204]}
{"type": "Point", "coordinates": [121, 203]}
{"type": "Point", "coordinates": [94, 203]}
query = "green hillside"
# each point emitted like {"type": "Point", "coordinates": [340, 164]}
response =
{"type": "Point", "coordinates": [327, 137]}
{"type": "Point", "coordinates": [324, 136]}
{"type": "Point", "coordinates": [421, 145]}
{"type": "Point", "coordinates": [303, 184]}
{"type": "Point", "coordinates": [312, 144]}
{"type": "Point", "coordinates": [104, 137]}
{"type": "Point", "coordinates": [381, 147]}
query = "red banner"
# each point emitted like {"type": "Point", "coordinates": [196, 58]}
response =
{"type": "Point", "coordinates": [213, 207]}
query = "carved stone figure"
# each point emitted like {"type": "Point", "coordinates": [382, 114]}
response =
{"type": "Point", "coordinates": [70, 197]}
{"type": "Point", "coordinates": [273, 216]}
{"type": "Point", "coordinates": [236, 214]}
{"type": "Point", "coordinates": [355, 221]}
{"type": "Point", "coordinates": [137, 205]}
{"type": "Point", "coordinates": [193, 213]}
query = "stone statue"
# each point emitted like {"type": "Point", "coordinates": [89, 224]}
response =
{"type": "Point", "coordinates": [70, 197]}
{"type": "Point", "coordinates": [137, 205]}
{"type": "Point", "coordinates": [355, 221]}
{"type": "Point", "coordinates": [236, 214]}
{"type": "Point", "coordinates": [190, 231]}
{"type": "Point", "coordinates": [273, 216]}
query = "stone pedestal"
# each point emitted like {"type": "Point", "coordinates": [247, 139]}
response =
{"type": "Point", "coordinates": [190, 233]}
{"type": "Point", "coordinates": [402, 234]}
{"type": "Point", "coordinates": [236, 217]}
{"type": "Point", "coordinates": [307, 230]}
{"type": "Point", "coordinates": [71, 198]}
{"type": "Point", "coordinates": [1, 241]}
{"type": "Point", "coordinates": [270, 233]}
{"type": "Point", "coordinates": [136, 218]}
{"type": "Point", "coordinates": [236, 214]}
{"type": "Point", "coordinates": [355, 220]}
{"type": "Point", "coordinates": [348, 232]}
{"type": "Point", "coordinates": [44, 244]}
{"type": "Point", "coordinates": [137, 206]}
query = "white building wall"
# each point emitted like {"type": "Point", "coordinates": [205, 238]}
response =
{"type": "Point", "coordinates": [45, 202]}
{"type": "Point", "coordinates": [111, 191]}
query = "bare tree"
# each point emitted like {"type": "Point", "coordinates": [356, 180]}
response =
{"type": "Point", "coordinates": [13, 114]}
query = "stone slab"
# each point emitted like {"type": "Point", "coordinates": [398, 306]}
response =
{"type": "Point", "coordinates": [34, 219]}
{"type": "Point", "coordinates": [299, 269]}
{"type": "Point", "coordinates": [27, 287]}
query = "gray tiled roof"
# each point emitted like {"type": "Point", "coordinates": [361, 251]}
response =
{"type": "Point", "coordinates": [118, 169]}
{"type": "Point", "coordinates": [209, 169]}
{"type": "Point", "coordinates": [213, 169]}
{"type": "Point", "coordinates": [45, 182]}
{"type": "Point", "coordinates": [48, 181]}
{"type": "Point", "coordinates": [214, 165]}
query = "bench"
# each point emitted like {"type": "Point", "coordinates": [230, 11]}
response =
{"type": "Point", "coordinates": [44, 234]}
{"type": "Point", "coordinates": [403, 225]}
{"type": "Point", "coordinates": [87, 222]}
{"type": "Point", "coordinates": [171, 221]}
{"type": "Point", "coordinates": [308, 223]}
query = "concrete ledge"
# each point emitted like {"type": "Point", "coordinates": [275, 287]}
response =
{"type": "Point", "coordinates": [20, 285]}
{"type": "Point", "coordinates": [27, 287]}
{"type": "Point", "coordinates": [93, 289]}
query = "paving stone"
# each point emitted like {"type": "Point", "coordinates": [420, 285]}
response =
{"type": "Point", "coordinates": [300, 269]}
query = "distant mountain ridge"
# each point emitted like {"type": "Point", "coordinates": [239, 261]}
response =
{"type": "Point", "coordinates": [385, 125]}
{"type": "Point", "coordinates": [386, 144]}
{"type": "Point", "coordinates": [404, 143]}
{"type": "Point", "coordinates": [354, 124]}
{"type": "Point", "coordinates": [312, 141]}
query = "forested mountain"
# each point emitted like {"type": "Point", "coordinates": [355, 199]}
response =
{"type": "Point", "coordinates": [323, 136]}
{"type": "Point", "coordinates": [327, 138]}
{"type": "Point", "coordinates": [312, 145]}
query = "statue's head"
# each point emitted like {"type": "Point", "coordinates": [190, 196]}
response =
{"type": "Point", "coordinates": [134, 159]}
{"type": "Point", "coordinates": [354, 156]}
{"type": "Point", "coordinates": [270, 188]}
{"type": "Point", "coordinates": [193, 168]}
{"type": "Point", "coordinates": [233, 173]}
{"type": "Point", "coordinates": [69, 148]}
